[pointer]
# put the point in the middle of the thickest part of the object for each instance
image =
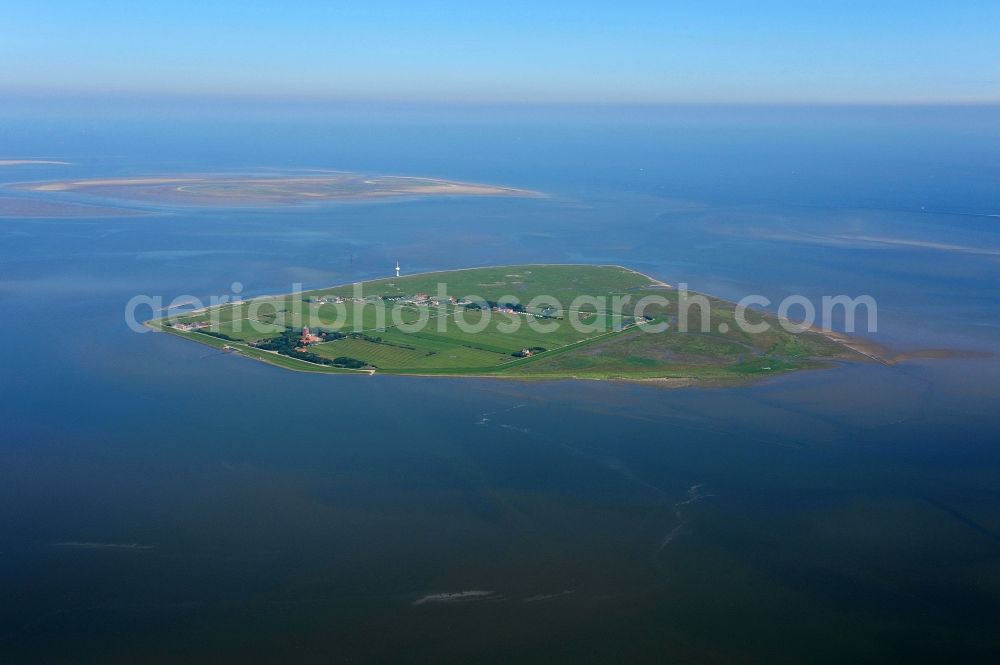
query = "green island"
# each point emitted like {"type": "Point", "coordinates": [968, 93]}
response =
{"type": "Point", "coordinates": [522, 321]}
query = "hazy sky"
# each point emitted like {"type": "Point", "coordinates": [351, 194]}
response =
{"type": "Point", "coordinates": [613, 51]}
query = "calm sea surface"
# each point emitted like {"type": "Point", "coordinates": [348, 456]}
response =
{"type": "Point", "coordinates": [161, 502]}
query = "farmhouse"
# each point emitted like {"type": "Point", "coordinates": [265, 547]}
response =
{"type": "Point", "coordinates": [309, 338]}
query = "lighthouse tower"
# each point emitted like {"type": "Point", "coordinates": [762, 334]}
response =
{"type": "Point", "coordinates": [397, 268]}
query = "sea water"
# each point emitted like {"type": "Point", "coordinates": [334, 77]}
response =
{"type": "Point", "coordinates": [161, 501]}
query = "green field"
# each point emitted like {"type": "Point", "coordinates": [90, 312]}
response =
{"type": "Point", "coordinates": [578, 321]}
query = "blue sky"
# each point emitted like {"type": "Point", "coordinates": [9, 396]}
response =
{"type": "Point", "coordinates": [742, 52]}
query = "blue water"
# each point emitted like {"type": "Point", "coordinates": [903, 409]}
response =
{"type": "Point", "coordinates": [162, 503]}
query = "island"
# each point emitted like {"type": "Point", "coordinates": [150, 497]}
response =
{"type": "Point", "coordinates": [271, 189]}
{"type": "Point", "coordinates": [523, 321]}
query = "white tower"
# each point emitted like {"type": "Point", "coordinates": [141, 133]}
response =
{"type": "Point", "coordinates": [397, 268]}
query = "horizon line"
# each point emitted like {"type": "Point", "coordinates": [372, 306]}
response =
{"type": "Point", "coordinates": [121, 95]}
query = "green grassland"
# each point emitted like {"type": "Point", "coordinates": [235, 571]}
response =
{"type": "Point", "coordinates": [388, 326]}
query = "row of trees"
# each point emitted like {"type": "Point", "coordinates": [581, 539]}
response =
{"type": "Point", "coordinates": [288, 341]}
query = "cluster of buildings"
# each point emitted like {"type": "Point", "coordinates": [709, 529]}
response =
{"type": "Point", "coordinates": [417, 299]}
{"type": "Point", "coordinates": [333, 300]}
{"type": "Point", "coordinates": [420, 300]}
{"type": "Point", "coordinates": [188, 327]}
{"type": "Point", "coordinates": [434, 302]}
